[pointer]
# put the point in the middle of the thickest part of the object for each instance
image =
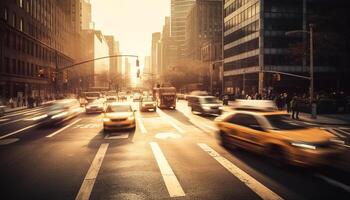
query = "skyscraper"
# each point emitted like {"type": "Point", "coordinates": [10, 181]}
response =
{"type": "Point", "coordinates": [179, 12]}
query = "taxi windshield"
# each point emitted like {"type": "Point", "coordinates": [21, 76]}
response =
{"type": "Point", "coordinates": [118, 108]}
{"type": "Point", "coordinates": [282, 122]}
{"type": "Point", "coordinates": [147, 99]}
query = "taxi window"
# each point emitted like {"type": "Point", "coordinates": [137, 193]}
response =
{"type": "Point", "coordinates": [244, 120]}
{"type": "Point", "coordinates": [282, 122]}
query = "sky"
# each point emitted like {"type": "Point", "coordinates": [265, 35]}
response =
{"type": "Point", "coordinates": [132, 22]}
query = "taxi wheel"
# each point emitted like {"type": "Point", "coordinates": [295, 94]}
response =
{"type": "Point", "coordinates": [223, 139]}
{"type": "Point", "coordinates": [278, 155]}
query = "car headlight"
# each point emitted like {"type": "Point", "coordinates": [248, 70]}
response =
{"type": "Point", "coordinates": [303, 145]}
{"type": "Point", "coordinates": [106, 119]}
{"type": "Point", "coordinates": [220, 107]}
{"type": "Point", "coordinates": [131, 118]}
{"type": "Point", "coordinates": [206, 107]}
{"type": "Point", "coordinates": [88, 107]}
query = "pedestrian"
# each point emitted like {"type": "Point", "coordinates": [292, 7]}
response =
{"type": "Point", "coordinates": [11, 102]}
{"type": "Point", "coordinates": [288, 102]}
{"type": "Point", "coordinates": [295, 107]}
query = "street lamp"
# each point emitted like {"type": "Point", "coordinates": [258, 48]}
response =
{"type": "Point", "coordinates": [310, 32]}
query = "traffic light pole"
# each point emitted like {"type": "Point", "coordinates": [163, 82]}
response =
{"type": "Point", "coordinates": [58, 70]}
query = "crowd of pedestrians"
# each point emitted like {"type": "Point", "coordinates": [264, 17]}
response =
{"type": "Point", "coordinates": [25, 101]}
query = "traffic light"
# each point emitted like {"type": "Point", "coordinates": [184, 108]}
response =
{"type": "Point", "coordinates": [138, 73]}
{"type": "Point", "coordinates": [41, 73]}
{"type": "Point", "coordinates": [65, 76]}
{"type": "Point", "coordinates": [53, 75]}
{"type": "Point", "coordinates": [278, 77]}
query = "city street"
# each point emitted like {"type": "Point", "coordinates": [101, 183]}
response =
{"type": "Point", "coordinates": [172, 154]}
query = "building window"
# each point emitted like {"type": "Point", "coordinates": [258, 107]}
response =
{"type": "Point", "coordinates": [28, 6]}
{"type": "Point", "coordinates": [14, 19]}
{"type": "Point", "coordinates": [21, 25]}
{"type": "Point", "coordinates": [6, 14]}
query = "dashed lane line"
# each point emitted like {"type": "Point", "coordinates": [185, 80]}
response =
{"type": "Point", "coordinates": [170, 180]}
{"type": "Point", "coordinates": [140, 124]}
{"type": "Point", "coordinates": [170, 121]}
{"type": "Point", "coordinates": [334, 182]}
{"type": "Point", "coordinates": [264, 192]}
{"type": "Point", "coordinates": [18, 131]}
{"type": "Point", "coordinates": [90, 178]}
{"type": "Point", "coordinates": [62, 129]}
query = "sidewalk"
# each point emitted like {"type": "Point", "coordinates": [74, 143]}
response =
{"type": "Point", "coordinates": [330, 119]}
{"type": "Point", "coordinates": [8, 109]}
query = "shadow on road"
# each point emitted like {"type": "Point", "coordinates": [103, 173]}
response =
{"type": "Point", "coordinates": [295, 180]}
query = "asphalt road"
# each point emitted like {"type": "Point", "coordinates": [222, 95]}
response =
{"type": "Point", "coordinates": [170, 155]}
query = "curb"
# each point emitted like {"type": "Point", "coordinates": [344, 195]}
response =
{"type": "Point", "coordinates": [324, 123]}
{"type": "Point", "coordinates": [10, 111]}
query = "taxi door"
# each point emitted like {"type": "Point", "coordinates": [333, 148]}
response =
{"type": "Point", "coordinates": [247, 131]}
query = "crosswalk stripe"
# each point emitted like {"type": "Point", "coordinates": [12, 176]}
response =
{"type": "Point", "coordinates": [62, 129]}
{"type": "Point", "coordinates": [171, 182]}
{"type": "Point", "coordinates": [342, 131]}
{"type": "Point", "coordinates": [3, 120]}
{"type": "Point", "coordinates": [249, 181]}
{"type": "Point", "coordinates": [22, 112]}
{"type": "Point", "coordinates": [335, 133]}
{"type": "Point", "coordinates": [89, 180]}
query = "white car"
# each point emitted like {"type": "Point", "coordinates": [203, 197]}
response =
{"type": "Point", "coordinates": [96, 106]}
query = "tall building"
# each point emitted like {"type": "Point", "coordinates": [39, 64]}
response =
{"type": "Point", "coordinates": [203, 24]}
{"type": "Point", "coordinates": [168, 54]}
{"type": "Point", "coordinates": [255, 41]}
{"type": "Point", "coordinates": [147, 64]}
{"type": "Point", "coordinates": [179, 12]}
{"type": "Point", "coordinates": [113, 62]}
{"type": "Point", "coordinates": [154, 53]}
{"type": "Point", "coordinates": [85, 17]}
{"type": "Point", "coordinates": [36, 39]}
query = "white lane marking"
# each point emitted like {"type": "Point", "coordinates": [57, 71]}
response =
{"type": "Point", "coordinates": [89, 180]}
{"type": "Point", "coordinates": [62, 129]}
{"type": "Point", "coordinates": [264, 192]}
{"type": "Point", "coordinates": [170, 121]}
{"type": "Point", "coordinates": [335, 132]}
{"type": "Point", "coordinates": [140, 124]}
{"type": "Point", "coordinates": [347, 146]}
{"type": "Point", "coordinates": [8, 141]}
{"type": "Point", "coordinates": [170, 180]}
{"type": "Point", "coordinates": [342, 131]}
{"type": "Point", "coordinates": [3, 120]}
{"type": "Point", "coordinates": [20, 130]}
{"type": "Point", "coordinates": [20, 113]}
{"type": "Point", "coordinates": [11, 122]}
{"type": "Point", "coordinates": [334, 182]}
{"type": "Point", "coordinates": [116, 137]}
{"type": "Point", "coordinates": [210, 127]}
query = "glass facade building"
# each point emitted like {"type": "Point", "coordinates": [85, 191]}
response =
{"type": "Point", "coordinates": [255, 41]}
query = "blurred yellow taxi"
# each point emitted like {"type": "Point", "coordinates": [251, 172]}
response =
{"type": "Point", "coordinates": [119, 115]}
{"type": "Point", "coordinates": [275, 135]}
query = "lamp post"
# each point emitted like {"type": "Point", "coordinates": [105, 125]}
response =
{"type": "Point", "coordinates": [310, 32]}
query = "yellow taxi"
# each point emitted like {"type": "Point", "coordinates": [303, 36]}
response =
{"type": "Point", "coordinates": [275, 135]}
{"type": "Point", "coordinates": [119, 115]}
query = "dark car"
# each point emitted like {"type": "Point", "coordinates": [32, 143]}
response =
{"type": "Point", "coordinates": [205, 105]}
